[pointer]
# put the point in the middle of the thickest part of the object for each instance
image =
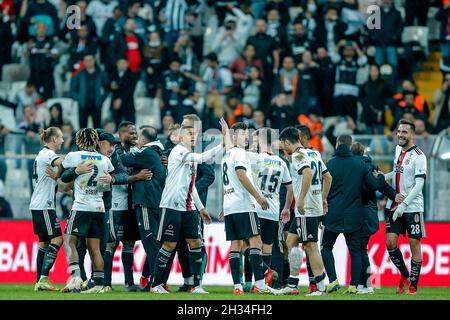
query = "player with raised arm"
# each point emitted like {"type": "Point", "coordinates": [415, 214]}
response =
{"type": "Point", "coordinates": [406, 214]}
{"type": "Point", "coordinates": [178, 203]}
{"type": "Point", "coordinates": [42, 206]}
{"type": "Point", "coordinates": [240, 198]}
{"type": "Point", "coordinates": [311, 184]}
{"type": "Point", "coordinates": [87, 216]}
{"type": "Point", "coordinates": [270, 172]}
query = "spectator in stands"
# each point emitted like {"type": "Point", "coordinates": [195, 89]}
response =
{"type": "Point", "coordinates": [85, 19]}
{"type": "Point", "coordinates": [36, 11]}
{"type": "Point", "coordinates": [306, 18]}
{"type": "Point", "coordinates": [81, 45]}
{"type": "Point", "coordinates": [355, 20]}
{"type": "Point", "coordinates": [156, 61]}
{"type": "Point", "coordinates": [241, 67]}
{"type": "Point", "coordinates": [315, 126]}
{"type": "Point", "coordinates": [174, 20]}
{"type": "Point", "coordinates": [128, 45]}
{"type": "Point", "coordinates": [408, 105]}
{"type": "Point", "coordinates": [110, 31]}
{"type": "Point", "coordinates": [196, 20]}
{"type": "Point", "coordinates": [259, 119]}
{"type": "Point", "coordinates": [5, 207]}
{"type": "Point", "coordinates": [7, 41]}
{"type": "Point", "coordinates": [419, 103]}
{"type": "Point", "coordinates": [443, 15]}
{"type": "Point", "coordinates": [246, 116]}
{"type": "Point", "coordinates": [275, 28]}
{"type": "Point", "coordinates": [123, 84]}
{"type": "Point", "coordinates": [109, 126]}
{"type": "Point", "coordinates": [244, 20]}
{"type": "Point", "coordinates": [42, 54]}
{"type": "Point", "coordinates": [389, 37]}
{"type": "Point", "coordinates": [8, 10]}
{"type": "Point", "coordinates": [185, 51]}
{"type": "Point", "coordinates": [90, 89]}
{"type": "Point", "coordinates": [189, 103]}
{"type": "Point", "coordinates": [373, 96]}
{"type": "Point", "coordinates": [330, 29]}
{"type": "Point", "coordinates": [227, 44]}
{"type": "Point", "coordinates": [167, 122]}
{"type": "Point", "coordinates": [339, 126]}
{"type": "Point", "coordinates": [56, 116]}
{"type": "Point", "coordinates": [287, 81]}
{"type": "Point", "coordinates": [28, 96]}
{"type": "Point", "coordinates": [3, 167]}
{"type": "Point", "coordinates": [100, 11]}
{"type": "Point", "coordinates": [326, 81]}
{"type": "Point", "coordinates": [30, 128]}
{"type": "Point", "coordinates": [252, 88]}
{"type": "Point", "coordinates": [173, 89]}
{"type": "Point", "coordinates": [69, 138]}
{"type": "Point", "coordinates": [281, 113]}
{"type": "Point", "coordinates": [299, 42]}
{"type": "Point", "coordinates": [257, 7]}
{"type": "Point", "coordinates": [423, 139]}
{"type": "Point", "coordinates": [348, 58]}
{"type": "Point", "coordinates": [282, 7]}
{"type": "Point", "coordinates": [307, 84]}
{"type": "Point", "coordinates": [441, 119]}
{"type": "Point", "coordinates": [267, 50]}
{"type": "Point", "coordinates": [416, 9]}
{"type": "Point", "coordinates": [140, 25]}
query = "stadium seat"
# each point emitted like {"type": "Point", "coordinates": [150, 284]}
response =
{"type": "Point", "coordinates": [16, 87]}
{"type": "Point", "coordinates": [7, 117]}
{"type": "Point", "coordinates": [416, 34]}
{"type": "Point", "coordinates": [15, 72]}
{"type": "Point", "coordinates": [69, 109]}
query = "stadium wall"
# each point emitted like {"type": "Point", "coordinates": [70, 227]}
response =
{"type": "Point", "coordinates": [19, 247]}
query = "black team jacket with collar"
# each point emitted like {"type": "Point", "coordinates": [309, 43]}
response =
{"type": "Point", "coordinates": [345, 206]}
{"type": "Point", "coordinates": [146, 193]}
{"type": "Point", "coordinates": [369, 200]}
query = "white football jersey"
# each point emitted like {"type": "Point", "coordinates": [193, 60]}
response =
{"type": "Point", "coordinates": [408, 165]}
{"type": "Point", "coordinates": [119, 197]}
{"type": "Point", "coordinates": [308, 158]}
{"type": "Point", "coordinates": [44, 187]}
{"type": "Point", "coordinates": [180, 181]}
{"type": "Point", "coordinates": [236, 198]}
{"type": "Point", "coordinates": [87, 197]}
{"type": "Point", "coordinates": [269, 173]}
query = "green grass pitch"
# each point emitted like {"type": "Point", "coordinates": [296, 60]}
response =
{"type": "Point", "coordinates": [25, 292]}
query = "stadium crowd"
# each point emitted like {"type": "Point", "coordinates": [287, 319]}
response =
{"type": "Point", "coordinates": [266, 65]}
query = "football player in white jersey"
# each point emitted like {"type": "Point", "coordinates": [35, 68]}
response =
{"type": "Point", "coordinates": [311, 184]}
{"type": "Point", "coordinates": [179, 201]}
{"type": "Point", "coordinates": [270, 172]}
{"type": "Point", "coordinates": [87, 216]}
{"type": "Point", "coordinates": [42, 206]}
{"type": "Point", "coordinates": [240, 197]}
{"type": "Point", "coordinates": [406, 214]}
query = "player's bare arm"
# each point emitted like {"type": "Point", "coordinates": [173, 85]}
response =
{"type": "Point", "coordinates": [306, 183]}
{"type": "Point", "coordinates": [241, 173]}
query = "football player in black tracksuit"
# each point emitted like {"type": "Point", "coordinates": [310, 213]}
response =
{"type": "Point", "coordinates": [147, 193]}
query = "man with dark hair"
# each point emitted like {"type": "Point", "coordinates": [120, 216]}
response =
{"type": "Point", "coordinates": [240, 199]}
{"type": "Point", "coordinates": [147, 193]}
{"type": "Point", "coordinates": [311, 184]}
{"type": "Point", "coordinates": [406, 212]}
{"type": "Point", "coordinates": [345, 209]}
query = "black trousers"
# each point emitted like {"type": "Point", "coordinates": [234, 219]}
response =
{"type": "Point", "coordinates": [353, 241]}
{"type": "Point", "coordinates": [346, 105]}
{"type": "Point", "coordinates": [94, 112]}
{"type": "Point", "coordinates": [124, 113]}
{"type": "Point", "coordinates": [148, 221]}
{"type": "Point", "coordinates": [365, 263]}
{"type": "Point", "coordinates": [416, 8]}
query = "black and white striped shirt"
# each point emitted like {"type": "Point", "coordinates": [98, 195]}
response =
{"type": "Point", "coordinates": [175, 14]}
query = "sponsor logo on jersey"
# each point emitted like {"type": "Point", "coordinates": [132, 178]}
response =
{"type": "Point", "coordinates": [398, 168]}
{"type": "Point", "coordinates": [407, 162]}
{"type": "Point", "coordinates": [91, 158]}
{"type": "Point", "coordinates": [271, 162]}
{"type": "Point", "coordinates": [228, 191]}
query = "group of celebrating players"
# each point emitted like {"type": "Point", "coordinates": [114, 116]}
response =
{"type": "Point", "coordinates": [274, 186]}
